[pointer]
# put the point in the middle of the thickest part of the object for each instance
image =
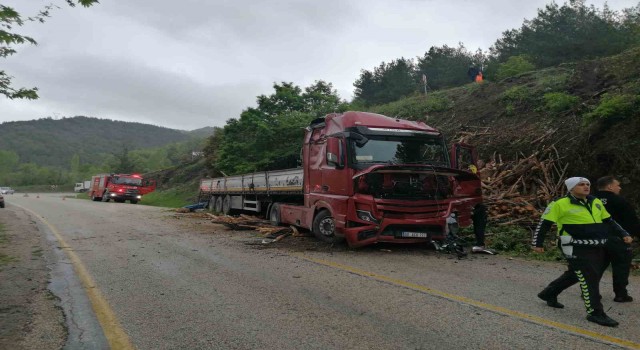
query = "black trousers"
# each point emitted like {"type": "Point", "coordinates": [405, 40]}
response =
{"type": "Point", "coordinates": [585, 267]}
{"type": "Point", "coordinates": [619, 254]}
{"type": "Point", "coordinates": [479, 218]}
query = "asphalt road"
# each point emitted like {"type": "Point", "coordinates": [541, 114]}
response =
{"type": "Point", "coordinates": [156, 279]}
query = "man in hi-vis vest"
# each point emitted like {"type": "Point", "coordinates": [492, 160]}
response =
{"type": "Point", "coordinates": [583, 227]}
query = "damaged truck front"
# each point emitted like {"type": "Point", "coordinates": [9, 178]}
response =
{"type": "Point", "coordinates": [365, 178]}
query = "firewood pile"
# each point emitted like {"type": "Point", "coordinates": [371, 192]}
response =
{"type": "Point", "coordinates": [246, 222]}
{"type": "Point", "coordinates": [517, 191]}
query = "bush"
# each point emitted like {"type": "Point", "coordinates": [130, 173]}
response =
{"type": "Point", "coordinates": [515, 65]}
{"type": "Point", "coordinates": [511, 239]}
{"type": "Point", "coordinates": [555, 82]}
{"type": "Point", "coordinates": [516, 96]}
{"type": "Point", "coordinates": [558, 102]}
{"type": "Point", "coordinates": [438, 103]}
{"type": "Point", "coordinates": [613, 107]}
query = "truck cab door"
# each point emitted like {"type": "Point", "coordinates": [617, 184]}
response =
{"type": "Point", "coordinates": [464, 157]}
{"type": "Point", "coordinates": [334, 174]}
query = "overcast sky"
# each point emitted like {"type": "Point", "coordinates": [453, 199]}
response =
{"type": "Point", "coordinates": [187, 64]}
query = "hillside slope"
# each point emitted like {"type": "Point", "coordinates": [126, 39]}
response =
{"type": "Point", "coordinates": [588, 111]}
{"type": "Point", "coordinates": [49, 142]}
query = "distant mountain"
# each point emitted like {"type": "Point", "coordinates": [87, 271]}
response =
{"type": "Point", "coordinates": [49, 142]}
{"type": "Point", "coordinates": [202, 132]}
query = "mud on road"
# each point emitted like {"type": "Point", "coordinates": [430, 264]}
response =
{"type": "Point", "coordinates": [30, 317]}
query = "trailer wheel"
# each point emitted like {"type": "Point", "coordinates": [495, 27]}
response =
{"type": "Point", "coordinates": [218, 205]}
{"type": "Point", "coordinates": [324, 227]}
{"type": "Point", "coordinates": [226, 205]}
{"type": "Point", "coordinates": [212, 204]}
{"type": "Point", "coordinates": [274, 214]}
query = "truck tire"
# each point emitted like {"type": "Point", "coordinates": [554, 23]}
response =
{"type": "Point", "coordinates": [218, 206]}
{"type": "Point", "coordinates": [133, 201]}
{"type": "Point", "coordinates": [95, 199]}
{"type": "Point", "coordinates": [226, 205]}
{"type": "Point", "coordinates": [274, 214]}
{"type": "Point", "coordinates": [212, 204]}
{"type": "Point", "coordinates": [324, 227]}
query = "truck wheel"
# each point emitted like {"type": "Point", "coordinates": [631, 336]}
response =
{"type": "Point", "coordinates": [226, 205]}
{"type": "Point", "coordinates": [218, 206]}
{"type": "Point", "coordinates": [133, 201]}
{"type": "Point", "coordinates": [212, 204]}
{"type": "Point", "coordinates": [274, 214]}
{"type": "Point", "coordinates": [324, 227]}
{"type": "Point", "coordinates": [95, 199]}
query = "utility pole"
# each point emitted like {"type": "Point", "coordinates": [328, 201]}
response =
{"type": "Point", "coordinates": [424, 82]}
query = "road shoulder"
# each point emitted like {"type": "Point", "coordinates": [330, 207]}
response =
{"type": "Point", "coordinates": [30, 315]}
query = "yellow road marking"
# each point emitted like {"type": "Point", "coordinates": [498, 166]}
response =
{"type": "Point", "coordinates": [479, 304]}
{"type": "Point", "coordinates": [113, 331]}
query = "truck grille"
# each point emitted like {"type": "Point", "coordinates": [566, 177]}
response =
{"type": "Point", "coordinates": [417, 210]}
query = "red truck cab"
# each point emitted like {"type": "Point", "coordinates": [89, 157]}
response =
{"type": "Point", "coordinates": [370, 178]}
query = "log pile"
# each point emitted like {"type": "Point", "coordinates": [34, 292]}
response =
{"type": "Point", "coordinates": [517, 191]}
{"type": "Point", "coordinates": [247, 222]}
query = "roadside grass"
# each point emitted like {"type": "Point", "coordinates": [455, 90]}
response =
{"type": "Point", "coordinates": [174, 197]}
{"type": "Point", "coordinates": [4, 258]}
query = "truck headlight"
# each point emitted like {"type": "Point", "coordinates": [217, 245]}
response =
{"type": "Point", "coordinates": [139, 196]}
{"type": "Point", "coordinates": [366, 216]}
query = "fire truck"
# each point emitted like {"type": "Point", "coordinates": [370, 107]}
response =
{"type": "Point", "coordinates": [120, 187]}
{"type": "Point", "coordinates": [365, 178]}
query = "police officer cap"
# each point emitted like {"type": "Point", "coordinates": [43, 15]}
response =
{"type": "Point", "coordinates": [573, 181]}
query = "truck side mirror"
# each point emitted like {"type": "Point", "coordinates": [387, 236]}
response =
{"type": "Point", "coordinates": [335, 152]}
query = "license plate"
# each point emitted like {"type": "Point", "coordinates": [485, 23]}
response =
{"type": "Point", "coordinates": [414, 234]}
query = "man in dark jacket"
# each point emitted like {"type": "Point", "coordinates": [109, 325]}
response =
{"type": "Point", "coordinates": [618, 253]}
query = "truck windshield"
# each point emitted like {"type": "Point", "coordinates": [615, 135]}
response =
{"type": "Point", "coordinates": [121, 180]}
{"type": "Point", "coordinates": [400, 150]}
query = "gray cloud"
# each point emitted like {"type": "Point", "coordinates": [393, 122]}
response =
{"type": "Point", "coordinates": [197, 63]}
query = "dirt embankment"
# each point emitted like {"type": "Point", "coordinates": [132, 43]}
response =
{"type": "Point", "coordinates": [30, 317]}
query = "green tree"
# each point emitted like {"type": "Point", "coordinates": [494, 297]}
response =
{"type": "Point", "coordinates": [513, 66]}
{"type": "Point", "coordinates": [269, 135]}
{"type": "Point", "coordinates": [568, 33]}
{"type": "Point", "coordinates": [9, 20]}
{"type": "Point", "coordinates": [8, 161]}
{"type": "Point", "coordinates": [387, 83]}
{"type": "Point", "coordinates": [125, 164]}
{"type": "Point", "coordinates": [447, 66]}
